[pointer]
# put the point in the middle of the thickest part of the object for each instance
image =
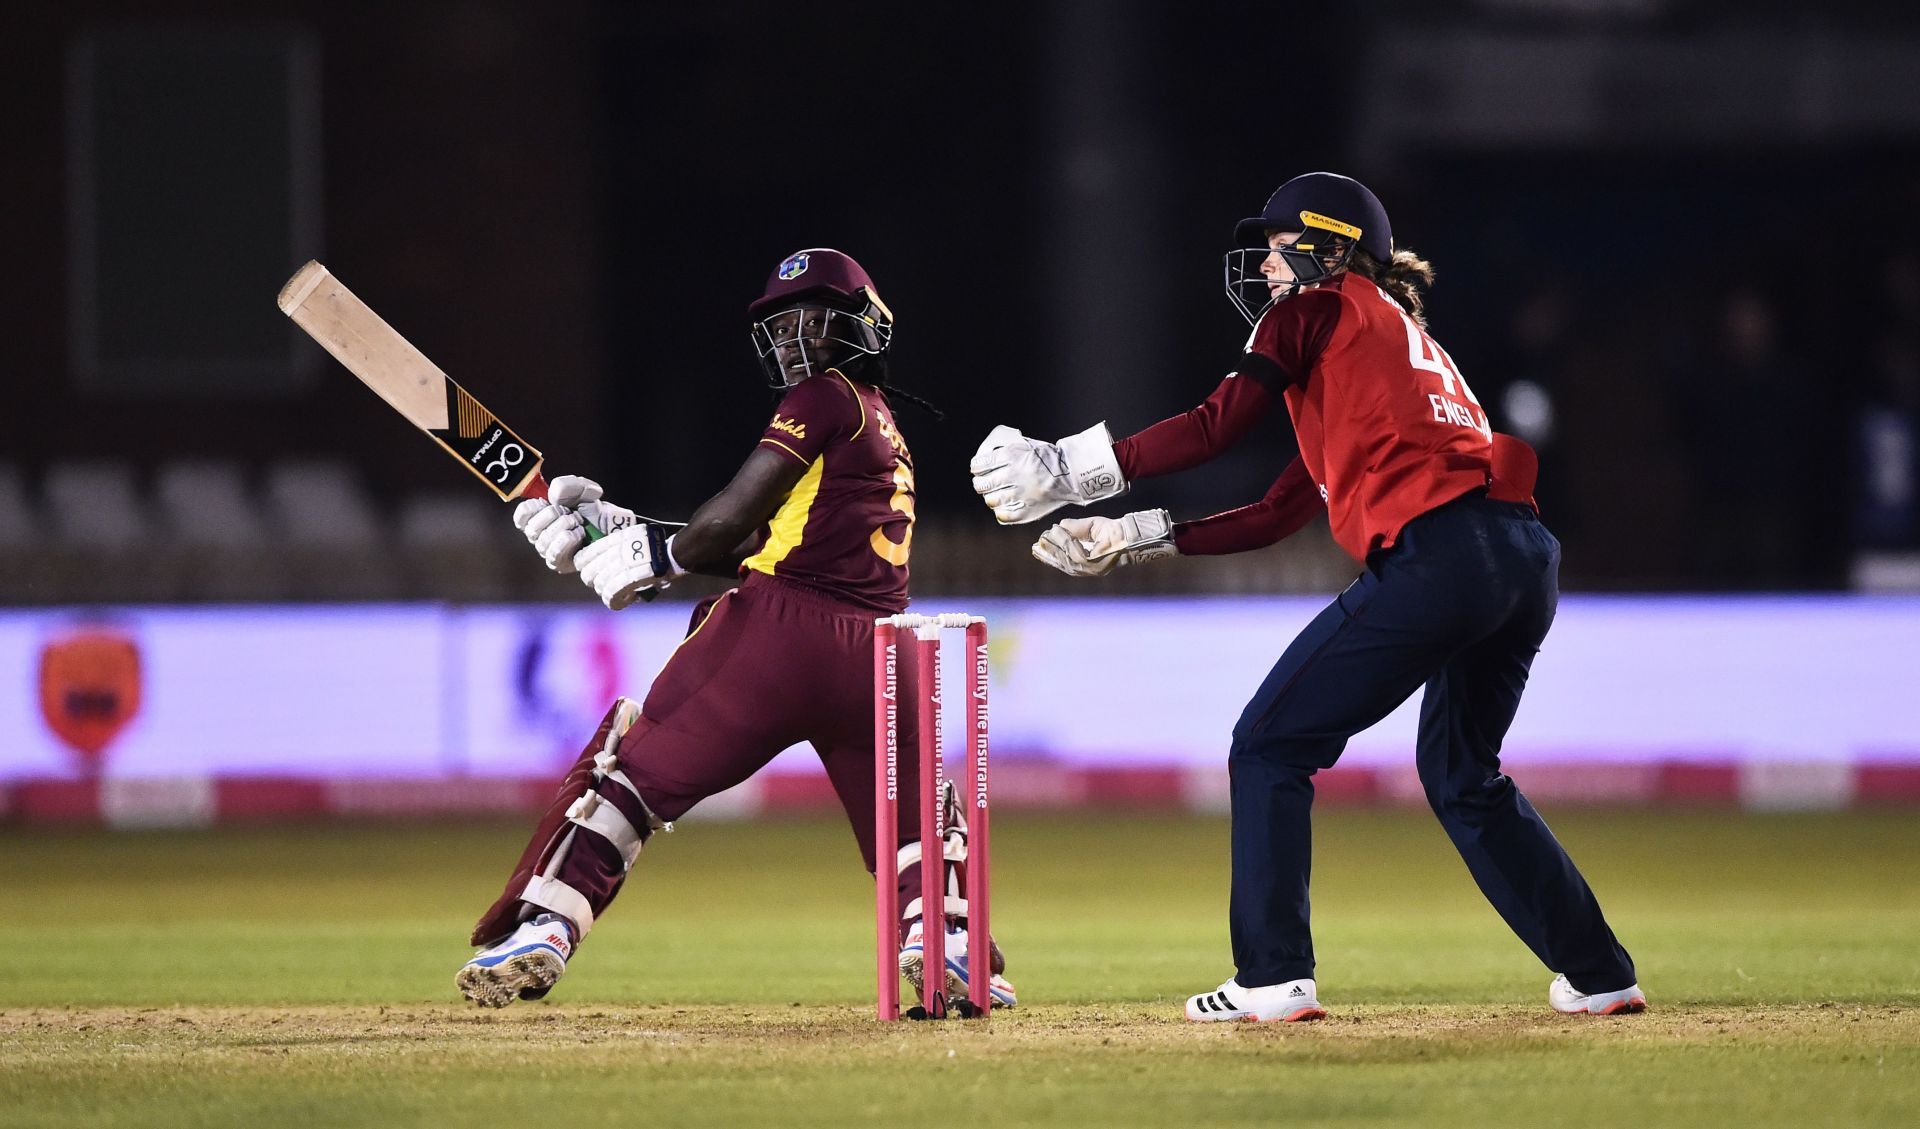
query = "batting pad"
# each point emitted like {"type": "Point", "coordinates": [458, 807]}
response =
{"type": "Point", "coordinates": [622, 819]}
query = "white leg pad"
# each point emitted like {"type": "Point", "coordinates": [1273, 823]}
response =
{"type": "Point", "coordinates": [629, 712]}
{"type": "Point", "coordinates": [594, 813]}
{"type": "Point", "coordinates": [553, 894]}
{"type": "Point", "coordinates": [606, 762]}
{"type": "Point", "coordinates": [952, 850]}
{"type": "Point", "coordinates": [956, 907]}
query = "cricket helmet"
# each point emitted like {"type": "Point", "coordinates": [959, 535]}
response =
{"type": "Point", "coordinates": [819, 310]}
{"type": "Point", "coordinates": [1333, 214]}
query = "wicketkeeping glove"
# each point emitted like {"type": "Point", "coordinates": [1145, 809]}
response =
{"type": "Point", "coordinates": [1095, 546]}
{"type": "Point", "coordinates": [1026, 479]}
{"type": "Point", "coordinates": [622, 566]}
{"type": "Point", "coordinates": [557, 525]}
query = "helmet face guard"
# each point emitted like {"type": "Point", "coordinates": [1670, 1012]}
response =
{"type": "Point", "coordinates": [1318, 255]}
{"type": "Point", "coordinates": [812, 336]}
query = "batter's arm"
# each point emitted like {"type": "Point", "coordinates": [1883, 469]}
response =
{"type": "Point", "coordinates": [725, 530]}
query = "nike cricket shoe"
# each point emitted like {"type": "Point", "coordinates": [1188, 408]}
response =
{"type": "Point", "coordinates": [1567, 1000]}
{"type": "Point", "coordinates": [1292, 1002]}
{"type": "Point", "coordinates": [913, 963]}
{"type": "Point", "coordinates": [523, 966]}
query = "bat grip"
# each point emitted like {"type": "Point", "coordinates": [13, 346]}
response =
{"type": "Point", "coordinates": [536, 487]}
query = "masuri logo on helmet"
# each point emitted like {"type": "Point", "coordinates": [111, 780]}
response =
{"type": "Point", "coordinates": [1340, 207]}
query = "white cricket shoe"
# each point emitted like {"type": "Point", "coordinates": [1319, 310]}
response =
{"type": "Point", "coordinates": [1567, 1001]}
{"type": "Point", "coordinates": [1292, 1002]}
{"type": "Point", "coordinates": [913, 961]}
{"type": "Point", "coordinates": [521, 967]}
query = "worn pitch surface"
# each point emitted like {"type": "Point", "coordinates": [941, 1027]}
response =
{"type": "Point", "coordinates": [304, 976]}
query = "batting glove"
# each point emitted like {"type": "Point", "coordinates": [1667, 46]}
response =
{"type": "Point", "coordinates": [623, 566]}
{"type": "Point", "coordinates": [1095, 546]}
{"type": "Point", "coordinates": [1026, 479]}
{"type": "Point", "coordinates": [556, 527]}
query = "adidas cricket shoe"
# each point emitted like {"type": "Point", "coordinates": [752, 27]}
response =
{"type": "Point", "coordinates": [524, 966]}
{"type": "Point", "coordinates": [1292, 1002]}
{"type": "Point", "coordinates": [1569, 1001]}
{"type": "Point", "coordinates": [913, 964]}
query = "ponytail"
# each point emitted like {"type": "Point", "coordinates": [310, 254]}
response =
{"type": "Point", "coordinates": [1404, 278]}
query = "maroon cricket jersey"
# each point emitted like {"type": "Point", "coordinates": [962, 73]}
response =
{"type": "Point", "coordinates": [847, 525]}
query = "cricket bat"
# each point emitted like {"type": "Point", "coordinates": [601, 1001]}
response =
{"type": "Point", "coordinates": [411, 384]}
{"type": "Point", "coordinates": [414, 386]}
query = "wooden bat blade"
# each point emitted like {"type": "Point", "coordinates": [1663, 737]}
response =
{"type": "Point", "coordinates": [411, 384]}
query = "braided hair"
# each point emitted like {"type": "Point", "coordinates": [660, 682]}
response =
{"type": "Point", "coordinates": [872, 369]}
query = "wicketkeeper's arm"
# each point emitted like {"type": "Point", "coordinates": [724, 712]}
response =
{"type": "Point", "coordinates": [1290, 503]}
{"type": "Point", "coordinates": [1196, 436]}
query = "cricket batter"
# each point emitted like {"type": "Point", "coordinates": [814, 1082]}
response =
{"type": "Point", "coordinates": [1458, 590]}
{"type": "Point", "coordinates": [818, 523]}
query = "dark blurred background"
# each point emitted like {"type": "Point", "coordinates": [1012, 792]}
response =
{"type": "Point", "coordinates": [1675, 246]}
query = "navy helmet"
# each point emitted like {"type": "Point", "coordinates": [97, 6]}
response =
{"type": "Point", "coordinates": [1333, 214]}
{"type": "Point", "coordinates": [819, 310]}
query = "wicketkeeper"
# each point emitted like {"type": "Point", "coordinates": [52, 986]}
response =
{"type": "Point", "coordinates": [1458, 587]}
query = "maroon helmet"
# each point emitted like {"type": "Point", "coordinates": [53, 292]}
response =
{"type": "Point", "coordinates": [819, 311]}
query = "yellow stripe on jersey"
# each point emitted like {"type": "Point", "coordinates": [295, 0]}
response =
{"type": "Point", "coordinates": [790, 521]}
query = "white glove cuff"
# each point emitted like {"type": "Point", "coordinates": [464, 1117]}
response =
{"type": "Point", "coordinates": [1092, 463]}
{"type": "Point", "coordinates": [1154, 526]}
{"type": "Point", "coordinates": [673, 568]}
{"type": "Point", "coordinates": [1156, 537]}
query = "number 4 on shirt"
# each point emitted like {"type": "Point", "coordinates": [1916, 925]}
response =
{"type": "Point", "coordinates": [1424, 354]}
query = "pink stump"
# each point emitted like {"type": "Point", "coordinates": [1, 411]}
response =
{"type": "Point", "coordinates": [933, 870]}
{"type": "Point", "coordinates": [979, 929]}
{"type": "Point", "coordinates": [886, 817]}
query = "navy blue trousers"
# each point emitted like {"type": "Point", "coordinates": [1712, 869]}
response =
{"type": "Point", "coordinates": [1460, 604]}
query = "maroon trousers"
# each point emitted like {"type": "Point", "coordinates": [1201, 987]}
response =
{"type": "Point", "coordinates": [772, 664]}
{"type": "Point", "coordinates": [766, 665]}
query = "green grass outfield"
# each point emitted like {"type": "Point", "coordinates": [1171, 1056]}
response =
{"type": "Point", "coordinates": [304, 977]}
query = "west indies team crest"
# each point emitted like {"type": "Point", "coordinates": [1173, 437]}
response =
{"type": "Point", "coordinates": [793, 267]}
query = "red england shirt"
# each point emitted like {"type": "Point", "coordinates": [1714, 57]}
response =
{"type": "Point", "coordinates": [1387, 426]}
{"type": "Point", "coordinates": [847, 525]}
